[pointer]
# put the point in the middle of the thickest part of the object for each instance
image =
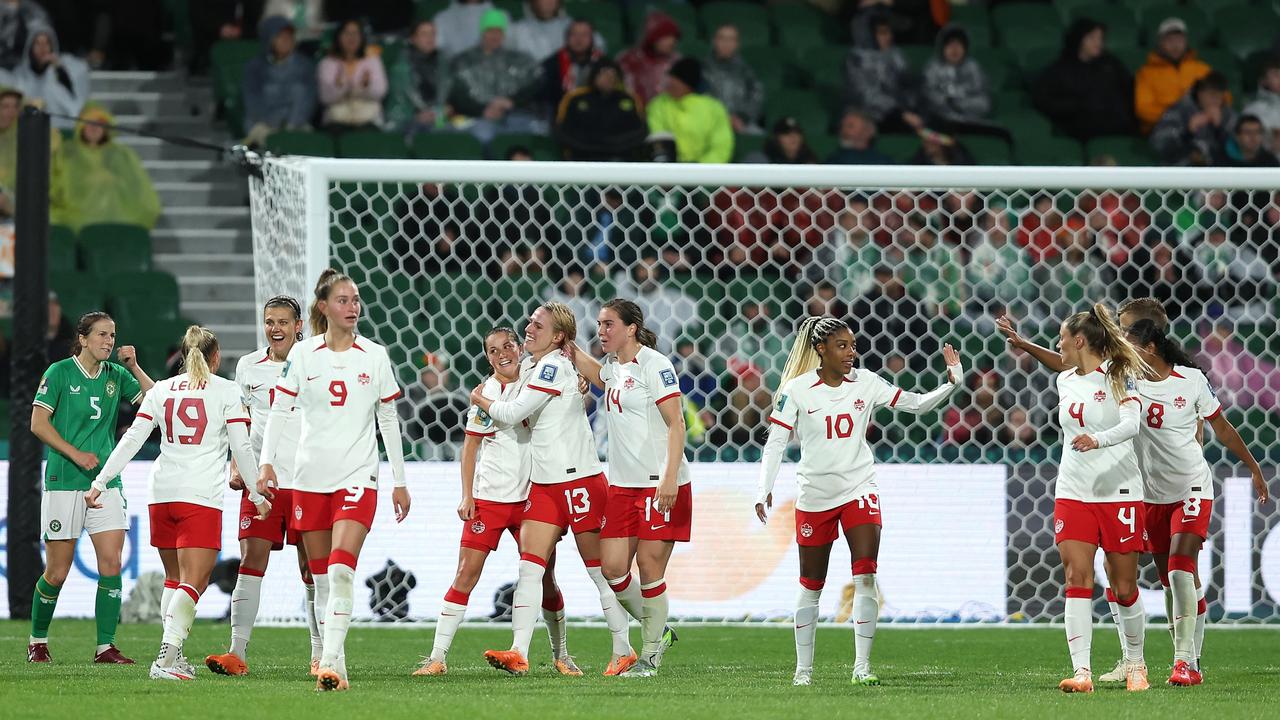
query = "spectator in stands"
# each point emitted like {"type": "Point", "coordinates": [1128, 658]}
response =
{"type": "Point", "coordinates": [1171, 69]}
{"type": "Point", "coordinates": [913, 21]}
{"type": "Point", "coordinates": [1087, 91]}
{"type": "Point", "coordinates": [1232, 275]}
{"type": "Point", "coordinates": [571, 291]}
{"type": "Point", "coordinates": [601, 120]}
{"type": "Point", "coordinates": [459, 25]}
{"type": "Point", "coordinates": [58, 333]}
{"type": "Point", "coordinates": [116, 34]}
{"type": "Point", "coordinates": [667, 311]}
{"type": "Point", "coordinates": [1195, 130]}
{"type": "Point", "coordinates": [11, 102]}
{"type": "Point", "coordinates": [748, 402]}
{"type": "Point", "coordinates": [754, 335]}
{"type": "Point", "coordinates": [848, 253]}
{"type": "Point", "coordinates": [933, 272]}
{"type": "Point", "coordinates": [955, 88]}
{"type": "Point", "coordinates": [433, 409]}
{"type": "Point", "coordinates": [279, 87]}
{"type": "Point", "coordinates": [106, 179]}
{"type": "Point", "coordinates": [352, 81]}
{"type": "Point", "coordinates": [306, 16]}
{"type": "Point", "coordinates": [606, 229]}
{"type": "Point", "coordinates": [214, 20]}
{"type": "Point", "coordinates": [1249, 150]}
{"type": "Point", "coordinates": [542, 31]}
{"type": "Point", "coordinates": [998, 271]}
{"type": "Point", "coordinates": [17, 19]}
{"type": "Point", "coordinates": [887, 319]}
{"type": "Point", "coordinates": [878, 80]}
{"type": "Point", "coordinates": [1266, 104]}
{"type": "Point", "coordinates": [1017, 432]}
{"type": "Point", "coordinates": [57, 81]}
{"type": "Point", "coordinates": [941, 149]}
{"type": "Point", "coordinates": [857, 142]}
{"type": "Point", "coordinates": [699, 123]}
{"type": "Point", "coordinates": [645, 66]}
{"type": "Point", "coordinates": [418, 84]}
{"type": "Point", "coordinates": [732, 81]}
{"type": "Point", "coordinates": [786, 144]}
{"type": "Point", "coordinates": [494, 85]}
{"type": "Point", "coordinates": [568, 68]}
{"type": "Point", "coordinates": [824, 299]}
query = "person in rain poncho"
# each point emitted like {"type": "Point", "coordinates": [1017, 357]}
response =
{"type": "Point", "coordinates": [105, 178]}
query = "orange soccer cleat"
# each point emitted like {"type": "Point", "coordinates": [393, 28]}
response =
{"type": "Point", "coordinates": [1136, 680]}
{"type": "Point", "coordinates": [509, 660]}
{"type": "Point", "coordinates": [566, 665]}
{"type": "Point", "coordinates": [431, 667]}
{"type": "Point", "coordinates": [315, 668]}
{"type": "Point", "coordinates": [227, 664]}
{"type": "Point", "coordinates": [329, 679]}
{"type": "Point", "coordinates": [621, 663]}
{"type": "Point", "coordinates": [1081, 682]}
{"type": "Point", "coordinates": [1182, 675]}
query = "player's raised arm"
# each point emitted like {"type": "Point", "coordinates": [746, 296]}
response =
{"type": "Point", "coordinates": [1043, 355]}
{"type": "Point", "coordinates": [921, 403]}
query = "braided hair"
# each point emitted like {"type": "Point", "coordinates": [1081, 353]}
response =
{"type": "Point", "coordinates": [813, 331]}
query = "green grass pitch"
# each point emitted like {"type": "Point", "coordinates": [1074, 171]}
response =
{"type": "Point", "coordinates": [713, 672]}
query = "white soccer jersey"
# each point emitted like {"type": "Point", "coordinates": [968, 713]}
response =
{"type": "Point", "coordinates": [637, 432]}
{"type": "Point", "coordinates": [1087, 406]}
{"type": "Point", "coordinates": [339, 394]}
{"type": "Point", "coordinates": [503, 461]}
{"type": "Point", "coordinates": [1172, 460]}
{"type": "Point", "coordinates": [257, 375]}
{"type": "Point", "coordinates": [193, 419]}
{"type": "Point", "coordinates": [560, 442]}
{"type": "Point", "coordinates": [836, 463]}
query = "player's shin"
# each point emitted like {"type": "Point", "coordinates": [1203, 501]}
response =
{"type": "Point", "coordinates": [629, 596]}
{"type": "Point", "coordinates": [557, 629]}
{"type": "Point", "coordinates": [1182, 583]}
{"type": "Point", "coordinates": [452, 611]}
{"type": "Point", "coordinates": [653, 617]}
{"type": "Point", "coordinates": [1114, 606]}
{"type": "Point", "coordinates": [1079, 625]}
{"type": "Point", "coordinates": [1202, 614]}
{"type": "Point", "coordinates": [1133, 621]}
{"type": "Point", "coordinates": [866, 612]}
{"type": "Point", "coordinates": [526, 601]}
{"type": "Point", "coordinates": [309, 608]}
{"type": "Point", "coordinates": [611, 605]}
{"type": "Point", "coordinates": [337, 619]}
{"type": "Point", "coordinates": [43, 603]}
{"type": "Point", "coordinates": [244, 609]}
{"type": "Point", "coordinates": [806, 621]}
{"type": "Point", "coordinates": [106, 610]}
{"type": "Point", "coordinates": [177, 624]}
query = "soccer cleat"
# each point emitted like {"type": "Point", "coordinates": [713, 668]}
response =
{"type": "Point", "coordinates": [803, 678]}
{"type": "Point", "coordinates": [112, 656]}
{"type": "Point", "coordinates": [1181, 676]}
{"type": "Point", "coordinates": [566, 665]}
{"type": "Point", "coordinates": [39, 652]}
{"type": "Point", "coordinates": [227, 664]}
{"type": "Point", "coordinates": [1197, 677]}
{"type": "Point", "coordinates": [669, 638]}
{"type": "Point", "coordinates": [1117, 674]}
{"type": "Point", "coordinates": [173, 673]}
{"type": "Point", "coordinates": [1137, 679]}
{"type": "Point", "coordinates": [185, 665]}
{"type": "Point", "coordinates": [431, 667]}
{"type": "Point", "coordinates": [643, 668]}
{"type": "Point", "coordinates": [508, 660]}
{"type": "Point", "coordinates": [621, 664]}
{"type": "Point", "coordinates": [315, 667]}
{"type": "Point", "coordinates": [1081, 682]}
{"type": "Point", "coordinates": [328, 679]}
{"type": "Point", "coordinates": [866, 678]}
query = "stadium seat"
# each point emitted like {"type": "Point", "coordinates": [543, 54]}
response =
{"type": "Point", "coordinates": [606, 18]}
{"type": "Point", "coordinates": [447, 146]}
{"type": "Point", "coordinates": [971, 14]}
{"type": "Point", "coordinates": [1226, 62]}
{"type": "Point", "coordinates": [1009, 101]}
{"type": "Point", "coordinates": [227, 59]}
{"type": "Point", "coordinates": [514, 8]}
{"type": "Point", "coordinates": [1046, 150]}
{"type": "Point", "coordinates": [683, 13]}
{"type": "Point", "coordinates": [1199, 23]}
{"type": "Point", "coordinates": [1123, 29]}
{"type": "Point", "coordinates": [1014, 21]}
{"type": "Point", "coordinates": [1132, 57]}
{"type": "Point", "coordinates": [372, 144]}
{"type": "Point", "coordinates": [744, 145]}
{"type": "Point", "coordinates": [751, 19]}
{"type": "Point", "coordinates": [817, 64]}
{"type": "Point", "coordinates": [766, 63]}
{"type": "Point", "coordinates": [79, 293]}
{"type": "Point", "coordinates": [694, 47]}
{"type": "Point", "coordinates": [917, 56]}
{"type": "Point", "coordinates": [1032, 57]}
{"type": "Point", "coordinates": [110, 248]}
{"type": "Point", "coordinates": [899, 147]}
{"type": "Point", "coordinates": [803, 19]}
{"type": "Point", "coordinates": [427, 9]}
{"type": "Point", "coordinates": [987, 150]}
{"type": "Point", "coordinates": [806, 106]}
{"type": "Point", "coordinates": [62, 249]}
{"type": "Point", "coordinates": [996, 64]}
{"type": "Point", "coordinates": [1125, 149]}
{"type": "Point", "coordinates": [142, 297]}
{"type": "Point", "coordinates": [1246, 30]}
{"type": "Point", "coordinates": [301, 142]}
{"type": "Point", "coordinates": [542, 147]}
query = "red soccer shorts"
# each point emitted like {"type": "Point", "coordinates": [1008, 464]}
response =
{"type": "Point", "coordinates": [1163, 521]}
{"type": "Point", "coordinates": [177, 525]}
{"type": "Point", "coordinates": [1113, 526]}
{"type": "Point", "coordinates": [823, 526]}
{"type": "Point", "coordinates": [632, 513]}
{"type": "Point", "coordinates": [484, 530]}
{"type": "Point", "coordinates": [276, 528]}
{"type": "Point", "coordinates": [577, 504]}
{"type": "Point", "coordinates": [319, 511]}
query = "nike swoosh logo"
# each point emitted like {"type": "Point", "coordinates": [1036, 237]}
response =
{"type": "Point", "coordinates": [580, 519]}
{"type": "Point", "coordinates": [1071, 640]}
{"type": "Point", "coordinates": [312, 377]}
{"type": "Point", "coordinates": [517, 607]}
{"type": "Point", "coordinates": [803, 626]}
{"type": "Point", "coordinates": [812, 411]}
{"type": "Point", "coordinates": [1187, 520]}
{"type": "Point", "coordinates": [1126, 539]}
{"type": "Point", "coordinates": [344, 508]}
{"type": "Point", "coordinates": [861, 622]}
{"type": "Point", "coordinates": [656, 527]}
{"type": "Point", "coordinates": [874, 512]}
{"type": "Point", "coordinates": [255, 388]}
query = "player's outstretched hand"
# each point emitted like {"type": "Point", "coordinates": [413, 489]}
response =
{"type": "Point", "coordinates": [467, 508]}
{"type": "Point", "coordinates": [128, 355]}
{"type": "Point", "coordinates": [1084, 443]}
{"type": "Point", "coordinates": [762, 509]}
{"type": "Point", "coordinates": [952, 360]}
{"type": "Point", "coordinates": [91, 498]}
{"type": "Point", "coordinates": [1260, 487]}
{"type": "Point", "coordinates": [400, 500]}
{"type": "Point", "coordinates": [1005, 325]}
{"type": "Point", "coordinates": [263, 508]}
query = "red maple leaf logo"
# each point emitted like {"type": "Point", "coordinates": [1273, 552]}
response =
{"type": "Point", "coordinates": [1179, 402]}
{"type": "Point", "coordinates": [364, 379]}
{"type": "Point", "coordinates": [859, 405]}
{"type": "Point", "coordinates": [1099, 396]}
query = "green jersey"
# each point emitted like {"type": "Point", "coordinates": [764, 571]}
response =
{"type": "Point", "coordinates": [84, 414]}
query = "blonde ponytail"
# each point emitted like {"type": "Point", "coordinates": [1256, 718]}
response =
{"type": "Point", "coordinates": [198, 347]}
{"type": "Point", "coordinates": [803, 357]}
{"type": "Point", "coordinates": [1103, 335]}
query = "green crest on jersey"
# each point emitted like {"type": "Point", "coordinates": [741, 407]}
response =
{"type": "Point", "coordinates": [55, 526]}
{"type": "Point", "coordinates": [111, 388]}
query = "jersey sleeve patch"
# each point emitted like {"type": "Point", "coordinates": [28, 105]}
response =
{"type": "Point", "coordinates": [668, 377]}
{"type": "Point", "coordinates": [548, 373]}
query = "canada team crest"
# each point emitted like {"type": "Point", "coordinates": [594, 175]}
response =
{"type": "Point", "coordinates": [1099, 396]}
{"type": "Point", "coordinates": [528, 504]}
{"type": "Point", "coordinates": [630, 383]}
{"type": "Point", "coordinates": [245, 522]}
{"type": "Point", "coordinates": [859, 405]}
{"type": "Point", "coordinates": [477, 527]}
{"type": "Point", "coordinates": [364, 378]}
{"type": "Point", "coordinates": [297, 512]}
{"type": "Point", "coordinates": [1179, 402]}
{"type": "Point", "coordinates": [1058, 525]}
{"type": "Point", "coordinates": [806, 530]}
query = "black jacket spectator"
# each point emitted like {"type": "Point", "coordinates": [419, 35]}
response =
{"type": "Point", "coordinates": [569, 67]}
{"type": "Point", "coordinates": [601, 120]}
{"type": "Point", "coordinates": [1087, 91]}
{"type": "Point", "coordinates": [16, 20]}
{"type": "Point", "coordinates": [1249, 150]}
{"type": "Point", "coordinates": [787, 145]}
{"type": "Point", "coordinates": [1195, 130]}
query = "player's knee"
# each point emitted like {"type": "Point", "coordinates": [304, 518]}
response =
{"type": "Point", "coordinates": [55, 576]}
{"type": "Point", "coordinates": [1079, 577]}
{"type": "Point", "coordinates": [467, 576]}
{"type": "Point", "coordinates": [109, 566]}
{"type": "Point", "coordinates": [1124, 587]}
{"type": "Point", "coordinates": [614, 569]}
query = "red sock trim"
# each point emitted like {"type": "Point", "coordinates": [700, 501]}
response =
{"type": "Point", "coordinates": [195, 596]}
{"type": "Point", "coordinates": [554, 604]}
{"type": "Point", "coordinates": [342, 557]}
{"type": "Point", "coordinates": [864, 566]}
{"type": "Point", "coordinates": [591, 563]}
{"type": "Point", "coordinates": [171, 584]}
{"type": "Point", "coordinates": [1079, 592]}
{"type": "Point", "coordinates": [1129, 601]}
{"type": "Point", "coordinates": [1185, 563]}
{"type": "Point", "coordinates": [812, 583]}
{"type": "Point", "coordinates": [653, 591]}
{"type": "Point", "coordinates": [1202, 607]}
{"type": "Point", "coordinates": [251, 572]}
{"type": "Point", "coordinates": [1111, 595]}
{"type": "Point", "coordinates": [319, 567]}
{"type": "Point", "coordinates": [533, 559]}
{"type": "Point", "coordinates": [457, 597]}
{"type": "Point", "coordinates": [620, 584]}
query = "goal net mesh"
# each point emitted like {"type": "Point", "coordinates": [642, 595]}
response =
{"type": "Point", "coordinates": [724, 274]}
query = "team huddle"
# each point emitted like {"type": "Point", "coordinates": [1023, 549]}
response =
{"type": "Point", "coordinates": [300, 423]}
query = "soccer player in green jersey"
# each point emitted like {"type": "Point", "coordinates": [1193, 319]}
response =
{"type": "Point", "coordinates": [74, 413]}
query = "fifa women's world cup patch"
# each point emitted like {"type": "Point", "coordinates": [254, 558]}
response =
{"type": "Point", "coordinates": [548, 373]}
{"type": "Point", "coordinates": [669, 378]}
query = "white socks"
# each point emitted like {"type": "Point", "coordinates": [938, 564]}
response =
{"type": "Point", "coordinates": [244, 609]}
{"type": "Point", "coordinates": [1202, 612]}
{"type": "Point", "coordinates": [337, 617]}
{"type": "Point", "coordinates": [1115, 616]}
{"type": "Point", "coordinates": [177, 624]}
{"type": "Point", "coordinates": [629, 594]}
{"type": "Point", "coordinates": [452, 611]}
{"type": "Point", "coordinates": [321, 603]}
{"type": "Point", "coordinates": [527, 601]}
{"type": "Point", "coordinates": [1133, 622]}
{"type": "Point", "coordinates": [1182, 587]}
{"type": "Point", "coordinates": [653, 616]}
{"type": "Point", "coordinates": [557, 630]}
{"type": "Point", "coordinates": [1079, 623]}
{"type": "Point", "coordinates": [612, 603]}
{"type": "Point", "coordinates": [309, 608]}
{"type": "Point", "coordinates": [866, 611]}
{"type": "Point", "coordinates": [806, 621]}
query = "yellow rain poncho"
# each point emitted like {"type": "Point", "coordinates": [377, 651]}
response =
{"type": "Point", "coordinates": [106, 183]}
{"type": "Point", "coordinates": [9, 169]}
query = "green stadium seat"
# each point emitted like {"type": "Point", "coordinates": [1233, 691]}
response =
{"type": "Point", "coordinates": [606, 18]}
{"type": "Point", "coordinates": [1132, 57]}
{"type": "Point", "coordinates": [1123, 29]}
{"type": "Point", "coordinates": [447, 146]}
{"type": "Point", "coordinates": [917, 56]}
{"type": "Point", "coordinates": [427, 9]}
{"type": "Point", "coordinates": [1246, 30]}
{"type": "Point", "coordinates": [227, 59]}
{"type": "Point", "coordinates": [751, 19]}
{"type": "Point", "coordinates": [62, 249]}
{"type": "Point", "coordinates": [1199, 23]}
{"type": "Point", "coordinates": [1009, 101]}
{"type": "Point", "coordinates": [1033, 57]}
{"type": "Point", "coordinates": [1045, 150]}
{"type": "Point", "coordinates": [683, 13]}
{"type": "Point", "coordinates": [514, 8]}
{"type": "Point", "coordinates": [1125, 149]}
{"type": "Point", "coordinates": [1025, 125]}
{"type": "Point", "coordinates": [806, 106]}
{"type": "Point", "coordinates": [1226, 62]}
{"type": "Point", "coordinates": [109, 248]}
{"type": "Point", "coordinates": [4, 414]}
{"type": "Point", "coordinates": [142, 297]}
{"type": "Point", "coordinates": [899, 147]}
{"type": "Point", "coordinates": [795, 38]}
{"type": "Point", "coordinates": [744, 145]}
{"type": "Point", "coordinates": [542, 147]}
{"type": "Point", "coordinates": [301, 142]}
{"type": "Point", "coordinates": [693, 46]}
{"type": "Point", "coordinates": [1026, 19]}
{"type": "Point", "coordinates": [996, 63]}
{"type": "Point", "coordinates": [765, 62]}
{"type": "Point", "coordinates": [987, 150]}
{"type": "Point", "coordinates": [822, 145]}
{"type": "Point", "coordinates": [971, 14]}
{"type": "Point", "coordinates": [819, 63]}
{"type": "Point", "coordinates": [803, 18]}
{"type": "Point", "coordinates": [979, 35]}
{"type": "Point", "coordinates": [79, 293]}
{"type": "Point", "coordinates": [372, 144]}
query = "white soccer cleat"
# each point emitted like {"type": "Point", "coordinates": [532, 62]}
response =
{"type": "Point", "coordinates": [1118, 674]}
{"type": "Point", "coordinates": [644, 668]}
{"type": "Point", "coordinates": [173, 673]}
{"type": "Point", "coordinates": [803, 678]}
